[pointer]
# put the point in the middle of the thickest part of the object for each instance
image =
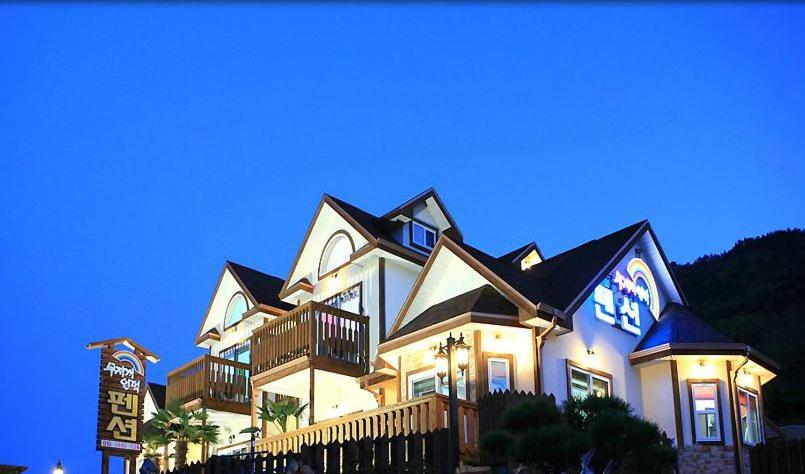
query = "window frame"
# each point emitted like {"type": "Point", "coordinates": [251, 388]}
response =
{"type": "Point", "coordinates": [426, 227]}
{"type": "Point", "coordinates": [719, 411]}
{"type": "Point", "coordinates": [487, 358]}
{"type": "Point", "coordinates": [430, 370]}
{"type": "Point", "coordinates": [227, 325]}
{"type": "Point", "coordinates": [327, 248]}
{"type": "Point", "coordinates": [572, 365]}
{"type": "Point", "coordinates": [754, 394]}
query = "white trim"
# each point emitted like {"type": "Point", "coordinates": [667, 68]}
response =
{"type": "Point", "coordinates": [715, 411]}
{"type": "Point", "coordinates": [509, 382]}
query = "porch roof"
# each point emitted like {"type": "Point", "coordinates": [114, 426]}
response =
{"type": "Point", "coordinates": [677, 324]}
{"type": "Point", "coordinates": [484, 299]}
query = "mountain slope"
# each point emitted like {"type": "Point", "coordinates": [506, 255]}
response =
{"type": "Point", "coordinates": [755, 293]}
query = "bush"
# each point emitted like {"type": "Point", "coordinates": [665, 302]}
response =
{"type": "Point", "coordinates": [582, 412]}
{"type": "Point", "coordinates": [552, 448]}
{"type": "Point", "coordinates": [496, 444]}
{"type": "Point", "coordinates": [539, 411]}
{"type": "Point", "coordinates": [630, 443]}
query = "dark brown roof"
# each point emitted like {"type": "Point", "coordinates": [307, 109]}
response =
{"type": "Point", "coordinates": [510, 257]}
{"type": "Point", "coordinates": [559, 280]}
{"type": "Point", "coordinates": [158, 391]}
{"type": "Point", "coordinates": [484, 299]}
{"type": "Point", "coordinates": [263, 287]}
{"type": "Point", "coordinates": [677, 324]}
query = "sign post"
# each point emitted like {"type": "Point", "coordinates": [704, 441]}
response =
{"type": "Point", "coordinates": [121, 394]}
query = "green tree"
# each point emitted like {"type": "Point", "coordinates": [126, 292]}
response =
{"type": "Point", "coordinates": [183, 428]}
{"type": "Point", "coordinates": [279, 412]}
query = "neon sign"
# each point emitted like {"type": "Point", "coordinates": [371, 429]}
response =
{"type": "Point", "coordinates": [619, 297]}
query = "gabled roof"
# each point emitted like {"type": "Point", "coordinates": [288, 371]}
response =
{"type": "Point", "coordinates": [262, 287]}
{"type": "Point", "coordinates": [677, 324]}
{"type": "Point", "coordinates": [680, 332]}
{"type": "Point", "coordinates": [407, 209]}
{"type": "Point", "coordinates": [158, 392]}
{"type": "Point", "coordinates": [556, 285]}
{"type": "Point", "coordinates": [128, 342]}
{"type": "Point", "coordinates": [484, 299]}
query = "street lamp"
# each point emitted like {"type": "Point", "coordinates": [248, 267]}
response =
{"type": "Point", "coordinates": [454, 355]}
{"type": "Point", "coordinates": [58, 469]}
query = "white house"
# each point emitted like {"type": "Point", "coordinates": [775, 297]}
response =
{"type": "Point", "coordinates": [353, 328]}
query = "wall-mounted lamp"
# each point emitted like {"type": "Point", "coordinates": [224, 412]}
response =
{"type": "Point", "coordinates": [701, 363]}
{"type": "Point", "coordinates": [58, 469]}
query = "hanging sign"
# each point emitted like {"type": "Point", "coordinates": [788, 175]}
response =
{"type": "Point", "coordinates": [121, 395]}
{"type": "Point", "coordinates": [626, 293]}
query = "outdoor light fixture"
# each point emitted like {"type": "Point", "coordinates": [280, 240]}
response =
{"type": "Point", "coordinates": [462, 353]}
{"type": "Point", "coordinates": [701, 363]}
{"type": "Point", "coordinates": [441, 362]}
{"type": "Point", "coordinates": [58, 469]}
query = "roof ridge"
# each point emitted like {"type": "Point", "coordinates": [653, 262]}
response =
{"type": "Point", "coordinates": [636, 225]}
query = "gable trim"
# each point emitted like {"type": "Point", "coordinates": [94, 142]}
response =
{"type": "Point", "coordinates": [501, 285]}
{"type": "Point", "coordinates": [326, 199]}
{"type": "Point", "coordinates": [407, 207]}
{"type": "Point", "coordinates": [243, 288]}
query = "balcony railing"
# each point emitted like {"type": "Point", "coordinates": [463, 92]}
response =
{"type": "Point", "coordinates": [316, 331]}
{"type": "Point", "coordinates": [220, 384]}
{"type": "Point", "coordinates": [413, 416]}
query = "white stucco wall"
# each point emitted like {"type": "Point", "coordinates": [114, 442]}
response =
{"type": "Point", "coordinates": [658, 396]}
{"type": "Point", "coordinates": [400, 279]}
{"type": "Point", "coordinates": [611, 345]}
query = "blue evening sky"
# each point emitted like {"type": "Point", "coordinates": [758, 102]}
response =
{"type": "Point", "coordinates": [142, 145]}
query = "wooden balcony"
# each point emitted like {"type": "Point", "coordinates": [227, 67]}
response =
{"type": "Point", "coordinates": [213, 383]}
{"type": "Point", "coordinates": [413, 416]}
{"type": "Point", "coordinates": [312, 335]}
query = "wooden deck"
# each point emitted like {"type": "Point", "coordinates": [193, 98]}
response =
{"type": "Point", "coordinates": [213, 383]}
{"type": "Point", "coordinates": [312, 335]}
{"type": "Point", "coordinates": [419, 415]}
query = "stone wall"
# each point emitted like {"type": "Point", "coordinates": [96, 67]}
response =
{"type": "Point", "coordinates": [705, 458]}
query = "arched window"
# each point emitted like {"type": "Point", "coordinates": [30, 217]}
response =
{"type": "Point", "coordinates": [234, 312]}
{"type": "Point", "coordinates": [336, 252]}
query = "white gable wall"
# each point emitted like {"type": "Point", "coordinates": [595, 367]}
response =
{"type": "Point", "coordinates": [327, 223]}
{"type": "Point", "coordinates": [448, 276]}
{"type": "Point", "coordinates": [610, 344]}
{"type": "Point", "coordinates": [227, 288]}
{"type": "Point", "coordinates": [400, 278]}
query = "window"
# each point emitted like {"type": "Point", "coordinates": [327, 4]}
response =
{"type": "Point", "coordinates": [422, 235]}
{"type": "Point", "coordinates": [239, 352]}
{"type": "Point", "coordinates": [426, 383]}
{"type": "Point", "coordinates": [705, 408]}
{"type": "Point", "coordinates": [499, 371]}
{"type": "Point", "coordinates": [584, 382]}
{"type": "Point", "coordinates": [234, 312]}
{"type": "Point", "coordinates": [336, 252]}
{"type": "Point", "coordinates": [750, 417]}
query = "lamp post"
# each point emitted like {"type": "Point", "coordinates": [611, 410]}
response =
{"type": "Point", "coordinates": [454, 355]}
{"type": "Point", "coordinates": [58, 469]}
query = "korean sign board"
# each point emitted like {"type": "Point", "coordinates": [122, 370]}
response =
{"type": "Point", "coordinates": [121, 395]}
{"type": "Point", "coordinates": [627, 296]}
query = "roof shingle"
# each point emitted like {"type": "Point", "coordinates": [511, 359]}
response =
{"type": "Point", "coordinates": [677, 324]}
{"type": "Point", "coordinates": [263, 287]}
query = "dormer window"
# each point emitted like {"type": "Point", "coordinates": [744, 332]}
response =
{"type": "Point", "coordinates": [234, 312]}
{"type": "Point", "coordinates": [336, 253]}
{"type": "Point", "coordinates": [422, 235]}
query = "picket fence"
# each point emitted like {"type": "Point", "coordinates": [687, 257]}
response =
{"type": "Point", "coordinates": [412, 453]}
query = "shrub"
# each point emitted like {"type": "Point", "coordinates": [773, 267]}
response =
{"type": "Point", "coordinates": [533, 413]}
{"type": "Point", "coordinates": [581, 412]}
{"type": "Point", "coordinates": [496, 444]}
{"type": "Point", "coordinates": [552, 448]}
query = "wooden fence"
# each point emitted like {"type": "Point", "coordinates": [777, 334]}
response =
{"type": "Point", "coordinates": [778, 457]}
{"type": "Point", "coordinates": [412, 453]}
{"type": "Point", "coordinates": [418, 415]}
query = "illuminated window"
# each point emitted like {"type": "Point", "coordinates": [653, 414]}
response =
{"type": "Point", "coordinates": [584, 383]}
{"type": "Point", "coordinates": [705, 406]}
{"type": "Point", "coordinates": [336, 253]}
{"type": "Point", "coordinates": [499, 371]}
{"type": "Point", "coordinates": [234, 312]}
{"type": "Point", "coordinates": [750, 418]}
{"type": "Point", "coordinates": [427, 383]}
{"type": "Point", "coordinates": [422, 235]}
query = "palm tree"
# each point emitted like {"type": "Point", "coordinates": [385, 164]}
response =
{"type": "Point", "coordinates": [154, 439]}
{"type": "Point", "coordinates": [279, 412]}
{"type": "Point", "coordinates": [182, 427]}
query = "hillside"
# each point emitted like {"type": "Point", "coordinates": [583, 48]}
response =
{"type": "Point", "coordinates": [755, 293]}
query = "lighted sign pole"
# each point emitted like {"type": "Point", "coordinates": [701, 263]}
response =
{"type": "Point", "coordinates": [455, 355]}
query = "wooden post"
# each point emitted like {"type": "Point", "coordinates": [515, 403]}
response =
{"type": "Point", "coordinates": [311, 406]}
{"type": "Point", "coordinates": [132, 465]}
{"type": "Point", "coordinates": [105, 462]}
